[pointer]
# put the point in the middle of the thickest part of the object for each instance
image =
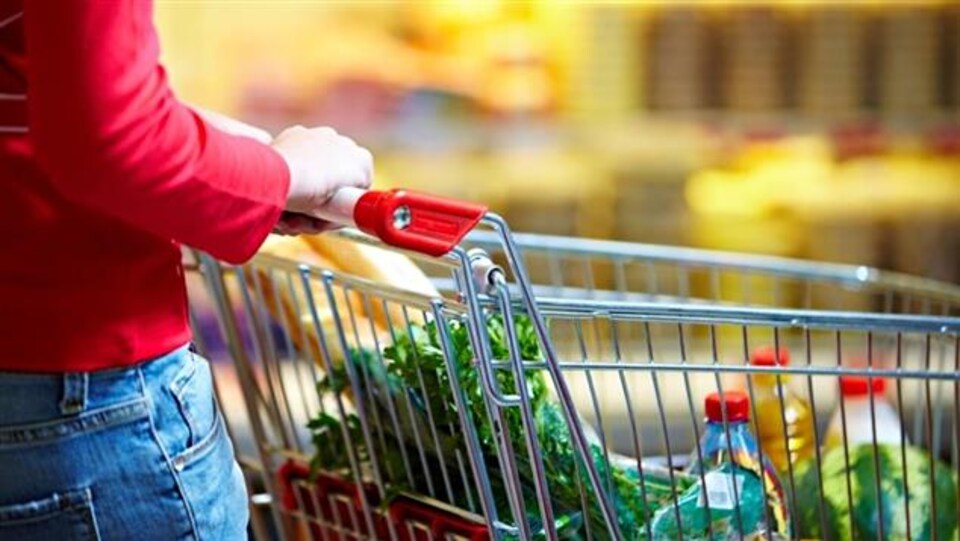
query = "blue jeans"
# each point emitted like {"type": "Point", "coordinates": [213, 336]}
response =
{"type": "Point", "coordinates": [138, 453]}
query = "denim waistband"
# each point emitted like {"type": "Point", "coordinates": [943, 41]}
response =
{"type": "Point", "coordinates": [26, 398]}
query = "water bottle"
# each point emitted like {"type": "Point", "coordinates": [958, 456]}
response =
{"type": "Point", "coordinates": [736, 494]}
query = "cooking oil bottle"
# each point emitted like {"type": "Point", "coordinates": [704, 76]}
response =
{"type": "Point", "coordinates": [798, 440]}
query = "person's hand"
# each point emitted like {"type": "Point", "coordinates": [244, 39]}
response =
{"type": "Point", "coordinates": [321, 161]}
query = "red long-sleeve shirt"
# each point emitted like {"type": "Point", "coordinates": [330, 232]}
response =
{"type": "Point", "coordinates": [102, 174]}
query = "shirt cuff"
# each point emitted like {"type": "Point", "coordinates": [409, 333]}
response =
{"type": "Point", "coordinates": [255, 174]}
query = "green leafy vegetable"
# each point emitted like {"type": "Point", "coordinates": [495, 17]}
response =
{"type": "Point", "coordinates": [408, 386]}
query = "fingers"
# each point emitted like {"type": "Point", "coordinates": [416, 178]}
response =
{"type": "Point", "coordinates": [366, 158]}
{"type": "Point", "coordinates": [292, 224]}
{"type": "Point", "coordinates": [363, 157]}
{"type": "Point", "coordinates": [321, 162]}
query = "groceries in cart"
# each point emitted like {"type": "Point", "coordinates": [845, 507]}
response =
{"type": "Point", "coordinates": [434, 410]}
{"type": "Point", "coordinates": [784, 421]}
{"type": "Point", "coordinates": [413, 377]}
{"type": "Point", "coordinates": [865, 416]}
{"type": "Point", "coordinates": [737, 493]}
{"type": "Point", "coordinates": [731, 488]}
{"type": "Point", "coordinates": [868, 465]}
{"type": "Point", "coordinates": [410, 376]}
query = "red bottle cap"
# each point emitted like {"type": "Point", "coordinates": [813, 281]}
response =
{"type": "Point", "coordinates": [737, 403]}
{"type": "Point", "coordinates": [860, 386]}
{"type": "Point", "coordinates": [768, 356]}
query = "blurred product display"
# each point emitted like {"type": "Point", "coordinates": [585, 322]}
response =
{"type": "Point", "coordinates": [909, 48]}
{"type": "Point", "coordinates": [679, 41]}
{"type": "Point", "coordinates": [831, 62]}
{"type": "Point", "coordinates": [821, 130]}
{"type": "Point", "coordinates": [754, 49]}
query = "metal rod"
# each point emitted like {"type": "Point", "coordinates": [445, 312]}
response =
{"type": "Point", "coordinates": [631, 418]}
{"type": "Point", "coordinates": [781, 399]}
{"type": "Point", "coordinates": [851, 275]}
{"type": "Point", "coordinates": [903, 434]}
{"type": "Point", "coordinates": [563, 392]}
{"type": "Point", "coordinates": [933, 452]}
{"type": "Point", "coordinates": [664, 427]}
{"type": "Point", "coordinates": [354, 460]}
{"type": "Point", "coordinates": [767, 516]}
{"type": "Point", "coordinates": [478, 464]}
{"type": "Point", "coordinates": [873, 434]}
{"type": "Point", "coordinates": [846, 441]}
{"type": "Point", "coordinates": [212, 271]}
{"type": "Point", "coordinates": [527, 415]}
{"type": "Point", "coordinates": [808, 351]}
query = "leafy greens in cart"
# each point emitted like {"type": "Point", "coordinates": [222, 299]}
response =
{"type": "Point", "coordinates": [408, 396]}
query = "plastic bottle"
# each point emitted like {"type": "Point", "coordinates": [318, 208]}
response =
{"type": "Point", "coordinates": [714, 449]}
{"type": "Point", "coordinates": [855, 393]}
{"type": "Point", "coordinates": [735, 494]}
{"type": "Point", "coordinates": [799, 441]}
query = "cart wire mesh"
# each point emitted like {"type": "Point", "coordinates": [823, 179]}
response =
{"type": "Point", "coordinates": [379, 413]}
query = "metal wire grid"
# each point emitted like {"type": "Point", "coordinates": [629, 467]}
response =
{"type": "Point", "coordinates": [615, 352]}
{"type": "Point", "coordinates": [598, 270]}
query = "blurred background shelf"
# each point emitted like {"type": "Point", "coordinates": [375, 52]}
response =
{"type": "Point", "coordinates": [813, 129]}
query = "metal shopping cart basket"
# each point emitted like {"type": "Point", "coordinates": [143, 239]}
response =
{"type": "Point", "coordinates": [552, 388]}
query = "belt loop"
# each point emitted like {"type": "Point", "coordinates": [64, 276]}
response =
{"type": "Point", "coordinates": [74, 393]}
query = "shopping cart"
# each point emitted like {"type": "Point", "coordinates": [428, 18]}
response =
{"type": "Point", "coordinates": [510, 404]}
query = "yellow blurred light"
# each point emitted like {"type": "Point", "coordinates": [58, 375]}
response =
{"type": "Point", "coordinates": [464, 11]}
{"type": "Point", "coordinates": [784, 3]}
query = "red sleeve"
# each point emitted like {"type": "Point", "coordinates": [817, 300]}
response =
{"type": "Point", "coordinates": [111, 134]}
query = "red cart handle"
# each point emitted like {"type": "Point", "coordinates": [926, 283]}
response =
{"type": "Point", "coordinates": [414, 221]}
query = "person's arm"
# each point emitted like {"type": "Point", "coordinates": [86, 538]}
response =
{"type": "Point", "coordinates": [233, 126]}
{"type": "Point", "coordinates": [112, 136]}
{"type": "Point", "coordinates": [290, 223]}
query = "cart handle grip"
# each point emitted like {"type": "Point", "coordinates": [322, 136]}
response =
{"type": "Point", "coordinates": [414, 221]}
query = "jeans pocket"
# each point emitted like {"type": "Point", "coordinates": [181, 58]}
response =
{"type": "Point", "coordinates": [213, 486]}
{"type": "Point", "coordinates": [65, 515]}
{"type": "Point", "coordinates": [192, 390]}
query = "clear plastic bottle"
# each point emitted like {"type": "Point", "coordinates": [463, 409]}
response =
{"type": "Point", "coordinates": [714, 447]}
{"type": "Point", "coordinates": [735, 494]}
{"type": "Point", "coordinates": [855, 392]}
{"type": "Point", "coordinates": [799, 440]}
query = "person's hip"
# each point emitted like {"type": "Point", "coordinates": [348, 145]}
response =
{"type": "Point", "coordinates": [110, 453]}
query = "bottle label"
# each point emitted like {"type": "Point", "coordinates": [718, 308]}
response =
{"type": "Point", "coordinates": [719, 490]}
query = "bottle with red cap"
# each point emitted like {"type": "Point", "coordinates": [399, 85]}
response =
{"type": "Point", "coordinates": [714, 446]}
{"type": "Point", "coordinates": [856, 392]}
{"type": "Point", "coordinates": [784, 420]}
{"type": "Point", "coordinates": [737, 495]}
